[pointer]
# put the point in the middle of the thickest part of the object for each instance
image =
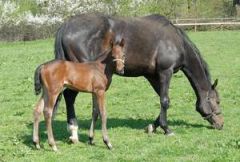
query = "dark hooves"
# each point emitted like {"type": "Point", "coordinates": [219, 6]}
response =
{"type": "Point", "coordinates": [91, 142]}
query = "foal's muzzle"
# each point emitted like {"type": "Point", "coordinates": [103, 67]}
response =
{"type": "Point", "coordinates": [121, 71]}
{"type": "Point", "coordinates": [121, 60]}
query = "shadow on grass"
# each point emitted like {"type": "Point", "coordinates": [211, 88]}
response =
{"type": "Point", "coordinates": [61, 133]}
{"type": "Point", "coordinates": [184, 123]}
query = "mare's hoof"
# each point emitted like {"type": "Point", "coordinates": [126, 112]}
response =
{"type": "Point", "coordinates": [74, 140]}
{"type": "Point", "coordinates": [150, 129]}
{"type": "Point", "coordinates": [170, 134]}
{"type": "Point", "coordinates": [38, 146]}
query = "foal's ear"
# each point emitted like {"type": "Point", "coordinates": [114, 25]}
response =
{"type": "Point", "coordinates": [215, 84]}
{"type": "Point", "coordinates": [111, 43]}
{"type": "Point", "coordinates": [122, 43]}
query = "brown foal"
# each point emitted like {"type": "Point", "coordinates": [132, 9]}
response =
{"type": "Point", "coordinates": [92, 77]}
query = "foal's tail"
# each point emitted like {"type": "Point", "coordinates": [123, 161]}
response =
{"type": "Point", "coordinates": [38, 87]}
{"type": "Point", "coordinates": [38, 80]}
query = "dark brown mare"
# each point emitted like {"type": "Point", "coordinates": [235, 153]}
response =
{"type": "Point", "coordinates": [154, 48]}
{"type": "Point", "coordinates": [92, 77]}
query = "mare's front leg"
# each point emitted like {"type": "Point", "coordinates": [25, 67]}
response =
{"type": "Point", "coordinates": [95, 112]}
{"type": "Point", "coordinates": [72, 126]}
{"type": "Point", "coordinates": [162, 88]}
{"type": "Point", "coordinates": [101, 104]}
{"type": "Point", "coordinates": [36, 115]}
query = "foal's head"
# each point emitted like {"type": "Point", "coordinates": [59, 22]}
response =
{"type": "Point", "coordinates": [118, 55]}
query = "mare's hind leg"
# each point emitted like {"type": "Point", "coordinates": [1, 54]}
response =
{"type": "Point", "coordinates": [161, 86]}
{"type": "Point", "coordinates": [102, 110]}
{"type": "Point", "coordinates": [70, 97]}
{"type": "Point", "coordinates": [95, 112]}
{"type": "Point", "coordinates": [36, 115]}
{"type": "Point", "coordinates": [48, 111]}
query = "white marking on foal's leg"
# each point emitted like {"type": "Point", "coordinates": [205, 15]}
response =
{"type": "Point", "coordinates": [73, 129]}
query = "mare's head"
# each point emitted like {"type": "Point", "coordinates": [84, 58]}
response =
{"type": "Point", "coordinates": [118, 55]}
{"type": "Point", "coordinates": [209, 108]}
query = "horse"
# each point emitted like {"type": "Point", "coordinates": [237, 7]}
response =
{"type": "Point", "coordinates": [154, 49]}
{"type": "Point", "coordinates": [92, 77]}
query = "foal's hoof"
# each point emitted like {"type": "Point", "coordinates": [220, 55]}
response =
{"type": "Point", "coordinates": [74, 140]}
{"type": "Point", "coordinates": [36, 145]}
{"type": "Point", "coordinates": [54, 147]}
{"type": "Point", "coordinates": [109, 146]}
{"type": "Point", "coordinates": [150, 129]}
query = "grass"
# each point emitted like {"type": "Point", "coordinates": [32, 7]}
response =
{"type": "Point", "coordinates": [131, 105]}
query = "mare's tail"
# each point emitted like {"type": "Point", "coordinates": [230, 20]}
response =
{"type": "Point", "coordinates": [59, 54]}
{"type": "Point", "coordinates": [58, 46]}
{"type": "Point", "coordinates": [38, 80]}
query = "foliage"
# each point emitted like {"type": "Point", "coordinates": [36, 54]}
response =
{"type": "Point", "coordinates": [131, 105]}
{"type": "Point", "coordinates": [46, 15]}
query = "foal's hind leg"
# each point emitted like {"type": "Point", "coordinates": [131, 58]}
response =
{"type": "Point", "coordinates": [95, 112]}
{"type": "Point", "coordinates": [102, 110]}
{"type": "Point", "coordinates": [36, 115]}
{"type": "Point", "coordinates": [48, 111]}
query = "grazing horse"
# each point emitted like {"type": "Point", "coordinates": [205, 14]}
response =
{"type": "Point", "coordinates": [154, 48]}
{"type": "Point", "coordinates": [93, 77]}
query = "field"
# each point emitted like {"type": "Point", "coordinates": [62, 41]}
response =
{"type": "Point", "coordinates": [131, 105]}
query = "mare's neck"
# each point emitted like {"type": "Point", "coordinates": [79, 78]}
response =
{"type": "Point", "coordinates": [196, 72]}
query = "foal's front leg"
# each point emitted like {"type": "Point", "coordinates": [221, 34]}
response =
{"type": "Point", "coordinates": [95, 112]}
{"type": "Point", "coordinates": [101, 103]}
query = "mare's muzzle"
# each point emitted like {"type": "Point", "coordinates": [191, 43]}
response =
{"type": "Point", "coordinates": [216, 120]}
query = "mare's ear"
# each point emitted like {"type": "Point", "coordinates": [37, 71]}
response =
{"type": "Point", "coordinates": [215, 84]}
{"type": "Point", "coordinates": [122, 43]}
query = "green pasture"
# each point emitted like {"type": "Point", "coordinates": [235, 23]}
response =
{"type": "Point", "coordinates": [131, 105]}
